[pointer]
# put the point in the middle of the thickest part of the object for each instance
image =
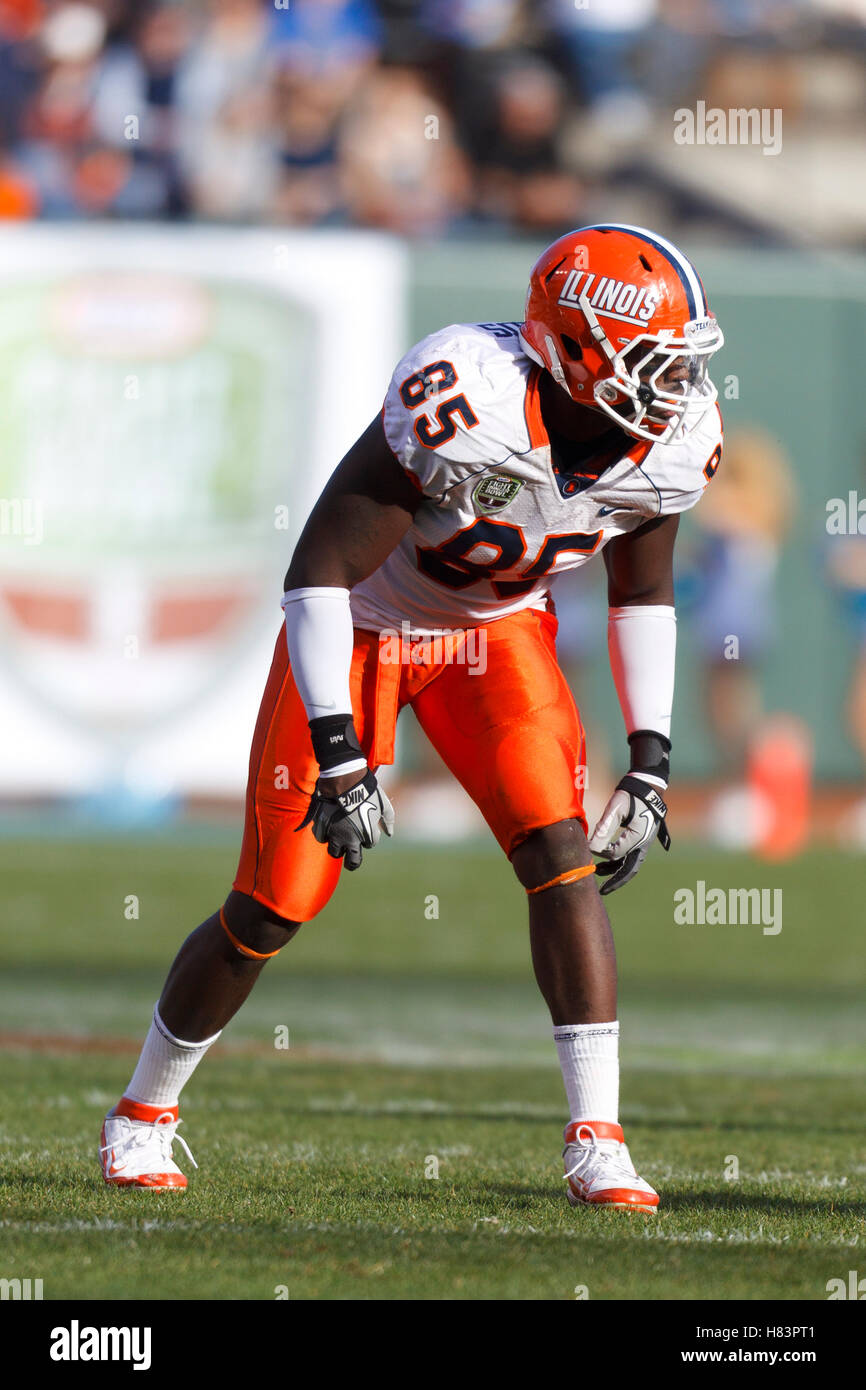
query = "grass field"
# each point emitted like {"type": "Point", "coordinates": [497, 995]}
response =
{"type": "Point", "coordinates": [420, 1043]}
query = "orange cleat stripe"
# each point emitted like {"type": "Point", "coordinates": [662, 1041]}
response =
{"type": "Point", "coordinates": [239, 945]}
{"type": "Point", "coordinates": [150, 1114]}
{"type": "Point", "coordinates": [570, 876]}
{"type": "Point", "coordinates": [622, 1197]}
{"type": "Point", "coordinates": [152, 1181]}
{"type": "Point", "coordinates": [602, 1129]}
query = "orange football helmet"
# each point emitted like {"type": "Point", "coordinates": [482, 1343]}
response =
{"type": "Point", "coordinates": [619, 318]}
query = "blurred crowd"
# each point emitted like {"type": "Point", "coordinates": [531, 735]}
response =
{"type": "Point", "coordinates": [421, 116]}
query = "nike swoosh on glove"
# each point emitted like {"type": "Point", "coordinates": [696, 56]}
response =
{"type": "Point", "coordinates": [630, 822]}
{"type": "Point", "coordinates": [351, 821]}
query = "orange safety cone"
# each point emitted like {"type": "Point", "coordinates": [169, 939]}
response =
{"type": "Point", "coordinates": [779, 774]}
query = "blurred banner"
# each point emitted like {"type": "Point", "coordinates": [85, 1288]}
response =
{"type": "Point", "coordinates": [171, 402]}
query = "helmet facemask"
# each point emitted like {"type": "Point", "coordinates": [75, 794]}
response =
{"type": "Point", "coordinates": [660, 382]}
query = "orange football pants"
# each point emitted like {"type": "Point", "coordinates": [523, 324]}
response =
{"type": "Point", "coordinates": [493, 703]}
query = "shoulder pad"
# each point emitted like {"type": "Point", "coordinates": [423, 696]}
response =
{"type": "Point", "coordinates": [680, 471]}
{"type": "Point", "coordinates": [456, 403]}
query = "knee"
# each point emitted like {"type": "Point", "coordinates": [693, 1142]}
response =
{"type": "Point", "coordinates": [550, 851]}
{"type": "Point", "coordinates": [256, 927]}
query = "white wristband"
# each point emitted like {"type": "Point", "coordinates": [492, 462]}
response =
{"type": "Point", "coordinates": [658, 782]}
{"type": "Point", "coordinates": [356, 765]}
{"type": "Point", "coordinates": [642, 643]}
{"type": "Point", "coordinates": [320, 639]}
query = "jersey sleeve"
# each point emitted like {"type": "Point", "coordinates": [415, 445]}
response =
{"type": "Point", "coordinates": [443, 405]}
{"type": "Point", "coordinates": [688, 467]}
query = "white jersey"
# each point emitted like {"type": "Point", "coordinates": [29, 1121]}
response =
{"type": "Point", "coordinates": [498, 521]}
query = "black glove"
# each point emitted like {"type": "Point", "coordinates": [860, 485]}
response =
{"type": "Point", "coordinates": [631, 820]}
{"type": "Point", "coordinates": [351, 821]}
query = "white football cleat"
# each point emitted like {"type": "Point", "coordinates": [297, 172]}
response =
{"type": "Point", "coordinates": [136, 1143]}
{"type": "Point", "coordinates": [599, 1170]}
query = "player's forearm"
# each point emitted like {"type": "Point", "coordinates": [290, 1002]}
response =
{"type": "Point", "coordinates": [320, 639]}
{"type": "Point", "coordinates": [320, 636]}
{"type": "Point", "coordinates": [363, 513]}
{"type": "Point", "coordinates": [642, 645]}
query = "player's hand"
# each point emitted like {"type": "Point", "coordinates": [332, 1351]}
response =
{"type": "Point", "coordinates": [630, 822]}
{"type": "Point", "coordinates": [349, 820]}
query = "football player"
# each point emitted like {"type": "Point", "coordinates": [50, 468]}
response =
{"type": "Point", "coordinates": [504, 454]}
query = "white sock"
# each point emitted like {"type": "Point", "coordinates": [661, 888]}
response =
{"type": "Point", "coordinates": [165, 1065]}
{"type": "Point", "coordinates": [589, 1058]}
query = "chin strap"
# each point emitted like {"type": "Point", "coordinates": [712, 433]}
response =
{"type": "Point", "coordinates": [555, 365]}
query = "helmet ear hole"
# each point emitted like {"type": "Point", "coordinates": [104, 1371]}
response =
{"type": "Point", "coordinates": [572, 348]}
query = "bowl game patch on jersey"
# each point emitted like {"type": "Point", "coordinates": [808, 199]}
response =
{"type": "Point", "coordinates": [495, 492]}
{"type": "Point", "coordinates": [462, 415]}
